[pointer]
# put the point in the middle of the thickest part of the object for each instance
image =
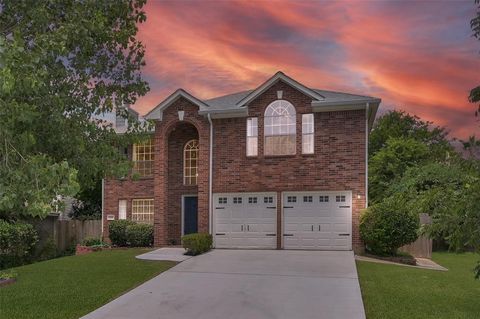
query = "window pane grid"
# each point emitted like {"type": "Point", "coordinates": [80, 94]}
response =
{"type": "Point", "coordinates": [142, 210]}
{"type": "Point", "coordinates": [143, 156]}
{"type": "Point", "coordinates": [252, 136]}
{"type": "Point", "coordinates": [190, 168]}
{"type": "Point", "coordinates": [307, 134]}
{"type": "Point", "coordinates": [280, 128]}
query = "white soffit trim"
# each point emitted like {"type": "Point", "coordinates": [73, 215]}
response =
{"type": "Point", "coordinates": [274, 79]}
{"type": "Point", "coordinates": [157, 112]}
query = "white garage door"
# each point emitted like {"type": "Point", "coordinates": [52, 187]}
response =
{"type": "Point", "coordinates": [245, 220]}
{"type": "Point", "coordinates": [317, 220]}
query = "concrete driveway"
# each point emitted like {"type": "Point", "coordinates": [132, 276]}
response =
{"type": "Point", "coordinates": [252, 284]}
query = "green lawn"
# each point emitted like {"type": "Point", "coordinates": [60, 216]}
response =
{"type": "Point", "coordinates": [70, 287]}
{"type": "Point", "coordinates": [391, 291]}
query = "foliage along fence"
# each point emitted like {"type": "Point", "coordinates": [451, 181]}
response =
{"type": "Point", "coordinates": [422, 247]}
{"type": "Point", "coordinates": [67, 233]}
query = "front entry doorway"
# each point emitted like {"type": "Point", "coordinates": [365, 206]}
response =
{"type": "Point", "coordinates": [190, 215]}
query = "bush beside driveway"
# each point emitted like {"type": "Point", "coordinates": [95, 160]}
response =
{"type": "Point", "coordinates": [71, 287]}
{"type": "Point", "coordinates": [391, 291]}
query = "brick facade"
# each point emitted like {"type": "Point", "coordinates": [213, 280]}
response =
{"type": "Point", "coordinates": [337, 164]}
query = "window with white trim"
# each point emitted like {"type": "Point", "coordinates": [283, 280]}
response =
{"type": "Point", "coordinates": [280, 128]}
{"type": "Point", "coordinates": [190, 163]}
{"type": "Point", "coordinates": [142, 210]}
{"type": "Point", "coordinates": [307, 134]}
{"type": "Point", "coordinates": [122, 209]}
{"type": "Point", "coordinates": [143, 155]}
{"type": "Point", "coordinates": [252, 136]}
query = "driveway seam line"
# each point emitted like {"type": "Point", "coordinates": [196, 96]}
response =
{"type": "Point", "coordinates": [251, 274]}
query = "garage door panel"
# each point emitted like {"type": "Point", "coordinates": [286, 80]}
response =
{"type": "Point", "coordinates": [316, 220]}
{"type": "Point", "coordinates": [251, 220]}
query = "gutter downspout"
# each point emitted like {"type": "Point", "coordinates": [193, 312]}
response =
{"type": "Point", "coordinates": [210, 175]}
{"type": "Point", "coordinates": [367, 109]}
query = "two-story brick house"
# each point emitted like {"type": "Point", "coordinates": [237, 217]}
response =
{"type": "Point", "coordinates": [279, 166]}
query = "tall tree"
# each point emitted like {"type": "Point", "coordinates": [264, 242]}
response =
{"type": "Point", "coordinates": [64, 64]}
{"type": "Point", "coordinates": [475, 24]}
{"type": "Point", "coordinates": [399, 124]}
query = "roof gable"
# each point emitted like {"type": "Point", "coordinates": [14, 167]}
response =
{"type": "Point", "coordinates": [279, 76]}
{"type": "Point", "coordinates": [157, 112]}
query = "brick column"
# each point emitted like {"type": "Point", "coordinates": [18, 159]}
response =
{"type": "Point", "coordinates": [160, 187]}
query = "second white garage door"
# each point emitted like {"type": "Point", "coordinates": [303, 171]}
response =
{"type": "Point", "coordinates": [245, 220]}
{"type": "Point", "coordinates": [317, 220]}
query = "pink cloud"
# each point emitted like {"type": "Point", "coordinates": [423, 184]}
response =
{"type": "Point", "coordinates": [400, 53]}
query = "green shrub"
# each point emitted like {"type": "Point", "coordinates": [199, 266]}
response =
{"type": "Point", "coordinates": [48, 250]}
{"type": "Point", "coordinates": [140, 235]}
{"type": "Point", "coordinates": [387, 226]}
{"type": "Point", "coordinates": [197, 244]}
{"type": "Point", "coordinates": [92, 241]}
{"type": "Point", "coordinates": [8, 275]}
{"type": "Point", "coordinates": [117, 230]}
{"type": "Point", "coordinates": [17, 243]}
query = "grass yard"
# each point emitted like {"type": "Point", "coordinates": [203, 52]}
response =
{"type": "Point", "coordinates": [391, 291]}
{"type": "Point", "coordinates": [71, 287]}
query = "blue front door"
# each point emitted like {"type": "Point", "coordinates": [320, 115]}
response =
{"type": "Point", "coordinates": [190, 214]}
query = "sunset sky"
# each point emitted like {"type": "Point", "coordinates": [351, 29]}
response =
{"type": "Point", "coordinates": [416, 56]}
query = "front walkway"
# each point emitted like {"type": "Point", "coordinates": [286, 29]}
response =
{"type": "Point", "coordinates": [247, 284]}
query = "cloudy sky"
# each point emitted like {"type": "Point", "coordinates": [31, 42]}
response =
{"type": "Point", "coordinates": [418, 56]}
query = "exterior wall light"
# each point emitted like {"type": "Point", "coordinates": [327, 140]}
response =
{"type": "Point", "coordinates": [181, 114]}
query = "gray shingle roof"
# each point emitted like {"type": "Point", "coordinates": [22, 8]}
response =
{"type": "Point", "coordinates": [229, 101]}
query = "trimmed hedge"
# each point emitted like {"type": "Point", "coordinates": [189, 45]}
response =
{"type": "Point", "coordinates": [140, 235]}
{"type": "Point", "coordinates": [387, 226]}
{"type": "Point", "coordinates": [17, 243]}
{"type": "Point", "coordinates": [197, 243]}
{"type": "Point", "coordinates": [117, 230]}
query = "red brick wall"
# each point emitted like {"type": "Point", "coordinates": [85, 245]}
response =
{"type": "Point", "coordinates": [168, 186]}
{"type": "Point", "coordinates": [176, 143]}
{"type": "Point", "coordinates": [127, 189]}
{"type": "Point", "coordinates": [337, 164]}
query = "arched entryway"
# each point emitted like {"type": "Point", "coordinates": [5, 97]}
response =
{"type": "Point", "coordinates": [182, 181]}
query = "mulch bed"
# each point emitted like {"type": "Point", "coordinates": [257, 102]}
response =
{"type": "Point", "coordinates": [6, 282]}
{"type": "Point", "coordinates": [402, 259]}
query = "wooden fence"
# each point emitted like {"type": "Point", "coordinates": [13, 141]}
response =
{"type": "Point", "coordinates": [75, 231]}
{"type": "Point", "coordinates": [422, 247]}
{"type": "Point", "coordinates": [66, 233]}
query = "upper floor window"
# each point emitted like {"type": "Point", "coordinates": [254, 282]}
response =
{"type": "Point", "coordinates": [307, 133]}
{"type": "Point", "coordinates": [142, 158]}
{"type": "Point", "coordinates": [252, 136]}
{"type": "Point", "coordinates": [280, 128]}
{"type": "Point", "coordinates": [190, 163]}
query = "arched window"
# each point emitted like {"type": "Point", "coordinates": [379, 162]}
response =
{"type": "Point", "coordinates": [280, 128]}
{"type": "Point", "coordinates": [190, 163]}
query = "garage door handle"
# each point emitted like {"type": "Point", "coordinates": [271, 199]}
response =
{"type": "Point", "coordinates": [343, 234]}
{"type": "Point", "coordinates": [271, 207]}
{"type": "Point", "coordinates": [219, 207]}
{"type": "Point", "coordinates": [344, 206]}
{"type": "Point", "coordinates": [220, 234]}
{"type": "Point", "coordinates": [287, 235]}
{"type": "Point", "coordinates": [287, 206]}
{"type": "Point", "coordinates": [270, 234]}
